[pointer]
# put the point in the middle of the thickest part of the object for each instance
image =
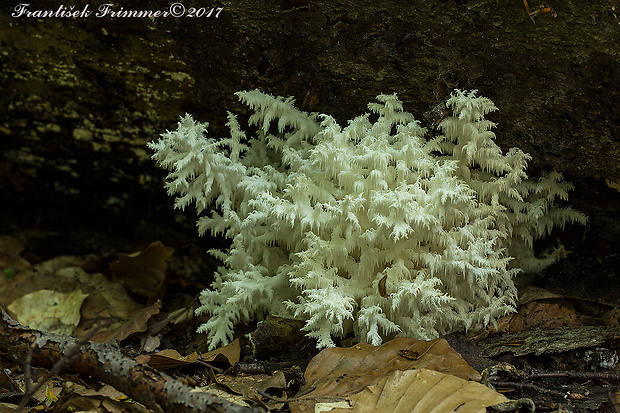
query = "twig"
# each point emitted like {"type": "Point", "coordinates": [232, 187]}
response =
{"type": "Point", "coordinates": [585, 375]}
{"type": "Point", "coordinates": [539, 389]}
{"type": "Point", "coordinates": [63, 362]}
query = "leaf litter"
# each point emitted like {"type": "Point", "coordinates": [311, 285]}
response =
{"type": "Point", "coordinates": [402, 375]}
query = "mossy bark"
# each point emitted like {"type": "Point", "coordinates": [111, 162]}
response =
{"type": "Point", "coordinates": [81, 97]}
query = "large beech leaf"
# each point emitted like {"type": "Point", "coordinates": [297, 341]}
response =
{"type": "Point", "coordinates": [395, 376]}
{"type": "Point", "coordinates": [423, 391]}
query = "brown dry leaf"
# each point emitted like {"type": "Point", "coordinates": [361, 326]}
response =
{"type": "Point", "coordinates": [545, 313]}
{"type": "Point", "coordinates": [544, 309]}
{"type": "Point", "coordinates": [337, 373]}
{"type": "Point", "coordinates": [105, 300]}
{"type": "Point", "coordinates": [103, 404]}
{"type": "Point", "coordinates": [77, 398]}
{"type": "Point", "coordinates": [48, 310]}
{"type": "Point", "coordinates": [29, 278]}
{"type": "Point", "coordinates": [167, 359]}
{"type": "Point", "coordinates": [253, 388]}
{"type": "Point", "coordinates": [530, 293]}
{"type": "Point", "coordinates": [230, 353]}
{"type": "Point", "coordinates": [29, 281]}
{"type": "Point", "coordinates": [144, 272]}
{"type": "Point", "coordinates": [361, 360]}
{"type": "Point", "coordinates": [51, 287]}
{"type": "Point", "coordinates": [422, 391]}
{"type": "Point", "coordinates": [136, 322]}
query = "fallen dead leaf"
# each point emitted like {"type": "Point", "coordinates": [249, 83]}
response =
{"type": "Point", "coordinates": [136, 322]}
{"type": "Point", "coordinates": [167, 359]}
{"type": "Point", "coordinates": [144, 272]}
{"type": "Point", "coordinates": [104, 299]}
{"type": "Point", "coordinates": [362, 360]}
{"type": "Point", "coordinates": [252, 388]}
{"type": "Point", "coordinates": [545, 313]}
{"type": "Point", "coordinates": [48, 310]}
{"type": "Point", "coordinates": [77, 398]}
{"type": "Point", "coordinates": [422, 391]}
{"type": "Point", "coordinates": [230, 353]}
{"type": "Point", "coordinates": [337, 374]}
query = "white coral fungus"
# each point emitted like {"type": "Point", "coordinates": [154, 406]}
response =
{"type": "Point", "coordinates": [368, 228]}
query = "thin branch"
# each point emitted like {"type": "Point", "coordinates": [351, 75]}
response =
{"type": "Point", "coordinates": [539, 389]}
{"type": "Point", "coordinates": [583, 375]}
{"type": "Point", "coordinates": [64, 361]}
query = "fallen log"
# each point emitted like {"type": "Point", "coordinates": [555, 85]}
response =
{"type": "Point", "coordinates": [107, 364]}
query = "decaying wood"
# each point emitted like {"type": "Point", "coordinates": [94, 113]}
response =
{"type": "Point", "coordinates": [104, 362]}
{"type": "Point", "coordinates": [58, 366]}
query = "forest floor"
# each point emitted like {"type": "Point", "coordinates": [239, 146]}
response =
{"type": "Point", "coordinates": [557, 353]}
